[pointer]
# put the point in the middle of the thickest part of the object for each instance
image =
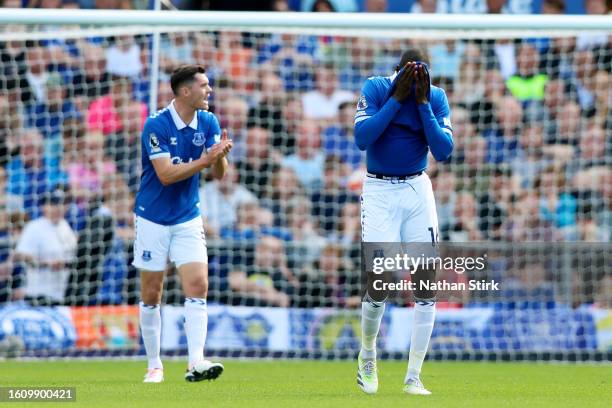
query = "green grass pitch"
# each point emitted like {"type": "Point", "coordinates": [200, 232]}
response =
{"type": "Point", "coordinates": [254, 384]}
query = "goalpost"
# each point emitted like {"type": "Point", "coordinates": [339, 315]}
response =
{"type": "Point", "coordinates": [528, 183]}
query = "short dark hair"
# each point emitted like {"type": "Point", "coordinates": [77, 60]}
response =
{"type": "Point", "coordinates": [412, 54]}
{"type": "Point", "coordinates": [184, 74]}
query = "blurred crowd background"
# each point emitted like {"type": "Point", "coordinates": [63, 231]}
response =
{"type": "Point", "coordinates": [531, 118]}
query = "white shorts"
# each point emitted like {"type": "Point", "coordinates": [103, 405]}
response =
{"type": "Point", "coordinates": [399, 210]}
{"type": "Point", "coordinates": [181, 243]}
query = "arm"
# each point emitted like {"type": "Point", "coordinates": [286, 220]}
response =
{"type": "Point", "coordinates": [169, 173]}
{"type": "Point", "coordinates": [439, 138]}
{"type": "Point", "coordinates": [220, 166]}
{"type": "Point", "coordinates": [371, 122]}
{"type": "Point", "coordinates": [368, 130]}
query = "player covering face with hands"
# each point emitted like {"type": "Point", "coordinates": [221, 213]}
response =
{"type": "Point", "coordinates": [399, 120]}
{"type": "Point", "coordinates": [178, 142]}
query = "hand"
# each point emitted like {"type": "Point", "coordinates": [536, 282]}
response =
{"type": "Point", "coordinates": [403, 88]}
{"type": "Point", "coordinates": [218, 151]}
{"type": "Point", "coordinates": [422, 84]}
{"type": "Point", "coordinates": [228, 143]}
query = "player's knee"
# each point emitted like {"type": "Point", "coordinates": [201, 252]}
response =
{"type": "Point", "coordinates": [151, 295]}
{"type": "Point", "coordinates": [196, 287]}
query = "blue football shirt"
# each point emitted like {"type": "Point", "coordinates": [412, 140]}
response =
{"type": "Point", "coordinates": [165, 135]}
{"type": "Point", "coordinates": [403, 146]}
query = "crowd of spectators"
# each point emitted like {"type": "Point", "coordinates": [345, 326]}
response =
{"type": "Point", "coordinates": [531, 120]}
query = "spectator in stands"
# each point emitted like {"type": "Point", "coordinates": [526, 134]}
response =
{"type": "Point", "coordinates": [267, 281]}
{"type": "Point", "coordinates": [111, 114]}
{"type": "Point", "coordinates": [568, 124]}
{"type": "Point", "coordinates": [557, 60]}
{"type": "Point", "coordinates": [125, 58]}
{"type": "Point", "coordinates": [592, 146]}
{"type": "Point", "coordinates": [220, 201]}
{"type": "Point", "coordinates": [494, 204]}
{"type": "Point", "coordinates": [528, 84]}
{"type": "Point", "coordinates": [584, 71]}
{"type": "Point", "coordinates": [348, 233]}
{"type": "Point", "coordinates": [164, 94]}
{"type": "Point", "coordinates": [328, 201]}
{"type": "Point", "coordinates": [260, 163]}
{"type": "Point", "coordinates": [524, 223]}
{"type": "Point", "coordinates": [464, 223]}
{"type": "Point", "coordinates": [117, 272]}
{"type": "Point", "coordinates": [331, 281]}
{"type": "Point", "coordinates": [531, 159]}
{"type": "Point", "coordinates": [205, 52]}
{"type": "Point", "coordinates": [338, 139]}
{"type": "Point", "coordinates": [423, 6]}
{"type": "Point", "coordinates": [463, 126]}
{"type": "Point", "coordinates": [445, 184]}
{"type": "Point", "coordinates": [323, 102]}
{"type": "Point", "coordinates": [557, 205]}
{"type": "Point", "coordinates": [30, 174]}
{"type": "Point", "coordinates": [10, 122]}
{"type": "Point", "coordinates": [284, 185]}
{"type": "Point", "coordinates": [482, 110]}
{"type": "Point", "coordinates": [603, 297]}
{"type": "Point", "coordinates": [268, 112]}
{"type": "Point", "coordinates": [47, 245]}
{"type": "Point", "coordinates": [37, 58]}
{"type": "Point", "coordinates": [303, 229]}
{"type": "Point", "coordinates": [48, 116]}
{"type": "Point", "coordinates": [602, 109]}
{"type": "Point", "coordinates": [502, 138]}
{"type": "Point", "coordinates": [87, 173]}
{"type": "Point", "coordinates": [446, 57]}
{"type": "Point", "coordinates": [93, 80]}
{"type": "Point", "coordinates": [234, 115]}
{"type": "Point", "coordinates": [469, 88]}
{"type": "Point", "coordinates": [235, 59]}
{"type": "Point", "coordinates": [11, 279]}
{"type": "Point", "coordinates": [556, 94]}
{"type": "Point", "coordinates": [293, 115]}
{"type": "Point", "coordinates": [176, 49]}
{"type": "Point", "coordinates": [307, 162]}
{"type": "Point", "coordinates": [292, 56]}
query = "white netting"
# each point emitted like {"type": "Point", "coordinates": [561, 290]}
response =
{"type": "Point", "coordinates": [532, 122]}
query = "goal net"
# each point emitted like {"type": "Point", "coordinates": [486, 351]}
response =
{"type": "Point", "coordinates": [529, 183]}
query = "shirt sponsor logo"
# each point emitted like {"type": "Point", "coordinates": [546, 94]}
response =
{"type": "Point", "coordinates": [198, 139]}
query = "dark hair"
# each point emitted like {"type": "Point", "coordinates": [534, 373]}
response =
{"type": "Point", "coordinates": [184, 74]}
{"type": "Point", "coordinates": [412, 54]}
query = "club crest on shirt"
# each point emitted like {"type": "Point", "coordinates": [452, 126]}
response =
{"type": "Point", "coordinates": [173, 141]}
{"type": "Point", "coordinates": [198, 139]}
{"type": "Point", "coordinates": [362, 103]}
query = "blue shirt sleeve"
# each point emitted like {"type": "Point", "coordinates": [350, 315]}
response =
{"type": "Point", "coordinates": [214, 131]}
{"type": "Point", "coordinates": [437, 127]}
{"type": "Point", "coordinates": [154, 140]}
{"type": "Point", "coordinates": [372, 116]}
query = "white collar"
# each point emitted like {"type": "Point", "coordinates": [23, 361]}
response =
{"type": "Point", "coordinates": [178, 122]}
{"type": "Point", "coordinates": [392, 77]}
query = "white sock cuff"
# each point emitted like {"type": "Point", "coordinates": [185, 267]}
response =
{"type": "Point", "coordinates": [145, 307]}
{"type": "Point", "coordinates": [195, 303]}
